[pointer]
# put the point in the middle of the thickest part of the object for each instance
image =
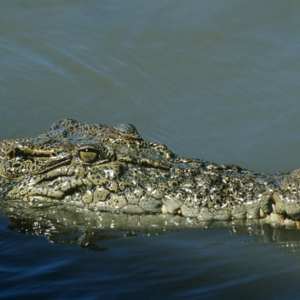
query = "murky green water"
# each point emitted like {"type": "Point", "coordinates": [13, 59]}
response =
{"type": "Point", "coordinates": [218, 80]}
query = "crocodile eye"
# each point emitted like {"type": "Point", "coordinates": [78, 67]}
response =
{"type": "Point", "coordinates": [88, 155]}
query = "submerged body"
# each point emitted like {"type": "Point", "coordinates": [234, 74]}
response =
{"type": "Point", "coordinates": [113, 169]}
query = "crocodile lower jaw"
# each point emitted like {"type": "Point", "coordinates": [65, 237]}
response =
{"type": "Point", "coordinates": [274, 219]}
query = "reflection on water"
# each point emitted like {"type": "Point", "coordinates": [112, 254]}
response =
{"type": "Point", "coordinates": [90, 229]}
{"type": "Point", "coordinates": [217, 80]}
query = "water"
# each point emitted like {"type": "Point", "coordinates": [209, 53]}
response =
{"type": "Point", "coordinates": [218, 80]}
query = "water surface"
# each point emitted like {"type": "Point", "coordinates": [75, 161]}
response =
{"type": "Point", "coordinates": [218, 80]}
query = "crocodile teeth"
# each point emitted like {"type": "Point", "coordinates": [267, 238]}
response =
{"type": "Point", "coordinates": [262, 213]}
{"type": "Point", "coordinates": [164, 209]}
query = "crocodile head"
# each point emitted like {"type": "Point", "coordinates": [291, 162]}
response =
{"type": "Point", "coordinates": [91, 165]}
{"type": "Point", "coordinates": [113, 169]}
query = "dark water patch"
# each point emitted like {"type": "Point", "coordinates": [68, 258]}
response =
{"type": "Point", "coordinates": [195, 264]}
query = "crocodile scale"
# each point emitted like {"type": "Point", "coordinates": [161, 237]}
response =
{"type": "Point", "coordinates": [113, 169]}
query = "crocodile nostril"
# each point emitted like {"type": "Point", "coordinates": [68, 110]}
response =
{"type": "Point", "coordinates": [14, 152]}
{"type": "Point", "coordinates": [10, 154]}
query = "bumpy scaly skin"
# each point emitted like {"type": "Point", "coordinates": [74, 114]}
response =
{"type": "Point", "coordinates": [113, 169]}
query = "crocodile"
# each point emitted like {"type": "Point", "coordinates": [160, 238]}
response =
{"type": "Point", "coordinates": [113, 169]}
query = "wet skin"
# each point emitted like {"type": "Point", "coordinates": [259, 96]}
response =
{"type": "Point", "coordinates": [113, 169]}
